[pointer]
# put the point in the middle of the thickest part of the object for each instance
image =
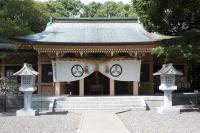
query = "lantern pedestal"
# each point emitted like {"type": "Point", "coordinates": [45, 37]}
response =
{"type": "Point", "coordinates": [167, 108]}
{"type": "Point", "coordinates": [30, 112]}
{"type": "Point", "coordinates": [27, 110]}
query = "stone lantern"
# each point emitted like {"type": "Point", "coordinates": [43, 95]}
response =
{"type": "Point", "coordinates": [28, 77]}
{"type": "Point", "coordinates": [167, 78]}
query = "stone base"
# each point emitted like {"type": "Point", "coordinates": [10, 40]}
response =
{"type": "Point", "coordinates": [172, 110]}
{"type": "Point", "coordinates": [27, 112]}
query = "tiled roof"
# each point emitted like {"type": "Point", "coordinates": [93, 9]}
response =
{"type": "Point", "coordinates": [91, 30]}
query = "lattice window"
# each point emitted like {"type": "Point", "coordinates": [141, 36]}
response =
{"type": "Point", "coordinates": [169, 79]}
{"type": "Point", "coordinates": [27, 81]}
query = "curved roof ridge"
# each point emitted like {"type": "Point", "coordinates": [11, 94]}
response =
{"type": "Point", "coordinates": [93, 20]}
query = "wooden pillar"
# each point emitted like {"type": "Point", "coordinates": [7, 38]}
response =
{"type": "Point", "coordinates": [57, 88]}
{"type": "Point", "coordinates": [40, 75]}
{"type": "Point", "coordinates": [186, 72]}
{"type": "Point", "coordinates": [135, 88]}
{"type": "Point", "coordinates": [151, 86]}
{"type": "Point", "coordinates": [151, 71]}
{"type": "Point", "coordinates": [81, 87]}
{"type": "Point", "coordinates": [112, 87]}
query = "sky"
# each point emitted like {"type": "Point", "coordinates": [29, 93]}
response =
{"type": "Point", "coordinates": [102, 1]}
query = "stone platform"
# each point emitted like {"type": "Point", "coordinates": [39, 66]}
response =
{"type": "Point", "coordinates": [100, 102]}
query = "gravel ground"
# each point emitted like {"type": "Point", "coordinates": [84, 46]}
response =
{"type": "Point", "coordinates": [44, 123]}
{"type": "Point", "coordinates": [152, 122]}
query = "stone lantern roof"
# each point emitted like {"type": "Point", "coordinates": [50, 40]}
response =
{"type": "Point", "coordinates": [168, 69]}
{"type": "Point", "coordinates": [26, 70]}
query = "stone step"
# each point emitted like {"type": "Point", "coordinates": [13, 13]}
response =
{"type": "Point", "coordinates": [96, 102]}
{"type": "Point", "coordinates": [98, 99]}
{"type": "Point", "coordinates": [85, 108]}
{"type": "Point", "coordinates": [99, 103]}
{"type": "Point", "coordinates": [138, 104]}
{"type": "Point", "coordinates": [135, 104]}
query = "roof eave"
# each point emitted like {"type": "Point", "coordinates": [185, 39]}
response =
{"type": "Point", "coordinates": [28, 42]}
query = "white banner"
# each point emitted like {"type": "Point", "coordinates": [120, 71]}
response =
{"type": "Point", "coordinates": [125, 70]}
{"type": "Point", "coordinates": [64, 71]}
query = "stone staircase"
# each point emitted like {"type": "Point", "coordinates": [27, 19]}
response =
{"type": "Point", "coordinates": [101, 102]}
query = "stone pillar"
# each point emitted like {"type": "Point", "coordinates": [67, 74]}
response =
{"type": "Point", "coordinates": [112, 87]}
{"type": "Point", "coordinates": [57, 88]}
{"type": "Point", "coordinates": [81, 87]}
{"type": "Point", "coordinates": [27, 100]}
{"type": "Point", "coordinates": [135, 88]}
{"type": "Point", "coordinates": [167, 99]}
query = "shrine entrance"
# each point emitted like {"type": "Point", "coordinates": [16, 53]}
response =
{"type": "Point", "coordinates": [72, 88]}
{"type": "Point", "coordinates": [96, 84]}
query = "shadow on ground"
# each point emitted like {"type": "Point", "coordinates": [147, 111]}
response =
{"type": "Point", "coordinates": [190, 108]}
{"type": "Point", "coordinates": [54, 113]}
{"type": "Point", "coordinates": [7, 113]}
{"type": "Point", "coordinates": [13, 113]}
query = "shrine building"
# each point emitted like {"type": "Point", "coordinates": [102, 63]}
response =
{"type": "Point", "coordinates": [91, 56]}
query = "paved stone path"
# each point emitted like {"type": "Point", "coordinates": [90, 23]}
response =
{"type": "Point", "coordinates": [101, 121]}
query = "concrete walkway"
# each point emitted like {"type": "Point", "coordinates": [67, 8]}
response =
{"type": "Point", "coordinates": [101, 121]}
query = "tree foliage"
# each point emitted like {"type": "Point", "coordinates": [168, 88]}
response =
{"type": "Point", "coordinates": [91, 9]}
{"type": "Point", "coordinates": [185, 47]}
{"type": "Point", "coordinates": [174, 17]}
{"type": "Point", "coordinates": [21, 17]}
{"type": "Point", "coordinates": [171, 17]}
{"type": "Point", "coordinates": [108, 9]}
{"type": "Point", "coordinates": [64, 8]}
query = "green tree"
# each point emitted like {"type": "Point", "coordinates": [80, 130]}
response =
{"type": "Point", "coordinates": [10, 28]}
{"type": "Point", "coordinates": [64, 8]}
{"type": "Point", "coordinates": [91, 9]}
{"type": "Point", "coordinates": [187, 47]}
{"type": "Point", "coordinates": [72, 7]}
{"type": "Point", "coordinates": [21, 17]}
{"type": "Point", "coordinates": [125, 10]}
{"type": "Point", "coordinates": [171, 17]}
{"type": "Point", "coordinates": [55, 9]}
{"type": "Point", "coordinates": [174, 17]}
{"type": "Point", "coordinates": [108, 9]}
